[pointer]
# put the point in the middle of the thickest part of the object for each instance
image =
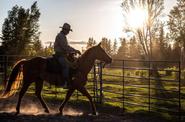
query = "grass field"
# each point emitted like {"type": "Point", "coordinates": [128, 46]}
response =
{"type": "Point", "coordinates": [164, 95]}
{"type": "Point", "coordinates": [134, 96]}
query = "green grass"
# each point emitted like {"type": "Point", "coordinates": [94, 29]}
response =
{"type": "Point", "coordinates": [169, 90]}
{"type": "Point", "coordinates": [113, 89]}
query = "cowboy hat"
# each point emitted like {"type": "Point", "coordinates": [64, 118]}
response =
{"type": "Point", "coordinates": [66, 26]}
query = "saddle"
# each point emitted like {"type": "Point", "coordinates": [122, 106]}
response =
{"type": "Point", "coordinates": [53, 65]}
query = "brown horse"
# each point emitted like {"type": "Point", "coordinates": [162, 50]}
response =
{"type": "Point", "coordinates": [34, 70]}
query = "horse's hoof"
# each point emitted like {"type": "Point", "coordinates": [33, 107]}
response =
{"type": "Point", "coordinates": [60, 112]}
{"type": "Point", "coordinates": [16, 113]}
{"type": "Point", "coordinates": [60, 109]}
{"type": "Point", "coordinates": [47, 111]}
{"type": "Point", "coordinates": [94, 114]}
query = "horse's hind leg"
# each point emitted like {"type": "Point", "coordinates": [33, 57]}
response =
{"type": "Point", "coordinates": [21, 94]}
{"type": "Point", "coordinates": [68, 95]}
{"type": "Point", "coordinates": [39, 86]}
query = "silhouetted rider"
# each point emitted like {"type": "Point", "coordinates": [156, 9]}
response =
{"type": "Point", "coordinates": [62, 49]}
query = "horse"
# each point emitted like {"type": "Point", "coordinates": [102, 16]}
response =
{"type": "Point", "coordinates": [34, 70]}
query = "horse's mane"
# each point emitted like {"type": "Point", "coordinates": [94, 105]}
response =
{"type": "Point", "coordinates": [85, 54]}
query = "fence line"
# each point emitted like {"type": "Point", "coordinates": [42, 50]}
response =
{"type": "Point", "coordinates": [152, 68]}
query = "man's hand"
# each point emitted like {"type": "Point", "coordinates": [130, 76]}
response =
{"type": "Point", "coordinates": [78, 52]}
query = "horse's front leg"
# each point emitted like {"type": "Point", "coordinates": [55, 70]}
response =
{"type": "Point", "coordinates": [84, 91]}
{"type": "Point", "coordinates": [68, 95]}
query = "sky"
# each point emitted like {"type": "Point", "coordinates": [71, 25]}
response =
{"type": "Point", "coordinates": [88, 18]}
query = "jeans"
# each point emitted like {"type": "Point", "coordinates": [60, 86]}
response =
{"type": "Point", "coordinates": [65, 67]}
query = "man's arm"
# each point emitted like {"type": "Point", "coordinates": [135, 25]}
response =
{"type": "Point", "coordinates": [63, 44]}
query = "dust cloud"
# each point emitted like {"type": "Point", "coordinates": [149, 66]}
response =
{"type": "Point", "coordinates": [33, 107]}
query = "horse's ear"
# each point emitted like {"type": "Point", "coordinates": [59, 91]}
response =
{"type": "Point", "coordinates": [99, 44]}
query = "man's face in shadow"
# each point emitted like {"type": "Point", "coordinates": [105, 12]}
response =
{"type": "Point", "coordinates": [65, 31]}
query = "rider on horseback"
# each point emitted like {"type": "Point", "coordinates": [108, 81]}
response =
{"type": "Point", "coordinates": [62, 49]}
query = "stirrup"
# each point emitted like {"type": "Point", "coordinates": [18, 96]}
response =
{"type": "Point", "coordinates": [65, 86]}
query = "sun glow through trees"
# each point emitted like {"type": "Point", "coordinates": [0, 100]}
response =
{"type": "Point", "coordinates": [136, 18]}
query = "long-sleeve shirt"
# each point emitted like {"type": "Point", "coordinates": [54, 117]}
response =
{"type": "Point", "coordinates": [61, 45]}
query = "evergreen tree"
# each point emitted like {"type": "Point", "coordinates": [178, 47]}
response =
{"type": "Point", "coordinates": [49, 50]}
{"type": "Point", "coordinates": [106, 45]}
{"type": "Point", "coordinates": [163, 44]}
{"type": "Point", "coordinates": [123, 49]}
{"type": "Point", "coordinates": [8, 31]}
{"type": "Point", "coordinates": [134, 49]}
{"type": "Point", "coordinates": [176, 25]}
{"type": "Point", "coordinates": [19, 29]}
{"type": "Point", "coordinates": [34, 48]}
{"type": "Point", "coordinates": [114, 48]}
{"type": "Point", "coordinates": [91, 42]}
{"type": "Point", "coordinates": [176, 51]}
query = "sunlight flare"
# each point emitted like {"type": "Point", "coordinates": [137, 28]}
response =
{"type": "Point", "coordinates": [136, 18]}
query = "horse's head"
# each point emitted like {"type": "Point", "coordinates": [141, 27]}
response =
{"type": "Point", "coordinates": [100, 54]}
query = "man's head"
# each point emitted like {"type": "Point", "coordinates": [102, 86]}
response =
{"type": "Point", "coordinates": [66, 28]}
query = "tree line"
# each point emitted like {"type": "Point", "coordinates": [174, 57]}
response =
{"type": "Point", "coordinates": [156, 39]}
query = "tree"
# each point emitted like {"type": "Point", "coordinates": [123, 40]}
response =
{"type": "Point", "coordinates": [114, 48]}
{"type": "Point", "coordinates": [34, 48]}
{"type": "Point", "coordinates": [176, 51]}
{"type": "Point", "coordinates": [49, 50]}
{"type": "Point", "coordinates": [176, 25]}
{"type": "Point", "coordinates": [19, 29]}
{"type": "Point", "coordinates": [163, 44]}
{"type": "Point", "coordinates": [147, 32]}
{"type": "Point", "coordinates": [106, 45]}
{"type": "Point", "coordinates": [123, 49]}
{"type": "Point", "coordinates": [8, 31]}
{"type": "Point", "coordinates": [91, 42]}
{"type": "Point", "coordinates": [134, 49]}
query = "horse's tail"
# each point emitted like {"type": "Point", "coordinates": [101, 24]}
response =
{"type": "Point", "coordinates": [14, 80]}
